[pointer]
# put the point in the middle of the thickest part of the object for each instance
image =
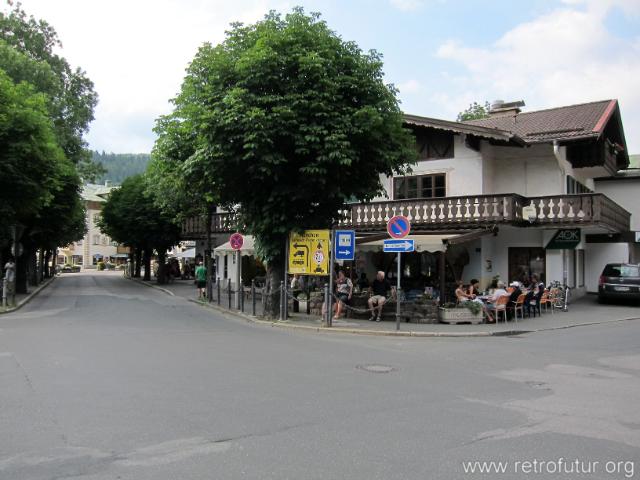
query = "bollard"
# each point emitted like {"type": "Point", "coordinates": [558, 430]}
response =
{"type": "Point", "coordinates": [253, 297]}
{"type": "Point", "coordinates": [308, 301]}
{"type": "Point", "coordinates": [327, 313]}
{"type": "Point", "coordinates": [4, 292]}
{"type": "Point", "coordinates": [218, 284]}
{"type": "Point", "coordinates": [265, 292]}
{"type": "Point", "coordinates": [281, 300]}
{"type": "Point", "coordinates": [241, 297]}
{"type": "Point", "coordinates": [229, 291]}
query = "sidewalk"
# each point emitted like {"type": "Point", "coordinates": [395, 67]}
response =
{"type": "Point", "coordinates": [584, 311]}
{"type": "Point", "coordinates": [24, 298]}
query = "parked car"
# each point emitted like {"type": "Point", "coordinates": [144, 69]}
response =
{"type": "Point", "coordinates": [619, 281]}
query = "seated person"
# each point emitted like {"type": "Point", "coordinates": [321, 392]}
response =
{"type": "Point", "coordinates": [513, 297]}
{"type": "Point", "coordinates": [474, 288]}
{"type": "Point", "coordinates": [461, 293]}
{"type": "Point", "coordinates": [379, 288]}
{"type": "Point", "coordinates": [344, 291]}
{"type": "Point", "coordinates": [497, 293]}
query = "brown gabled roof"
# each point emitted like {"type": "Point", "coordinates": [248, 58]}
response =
{"type": "Point", "coordinates": [573, 122]}
{"type": "Point", "coordinates": [481, 131]}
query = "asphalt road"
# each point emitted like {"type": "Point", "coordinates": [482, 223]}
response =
{"type": "Point", "coordinates": [103, 378]}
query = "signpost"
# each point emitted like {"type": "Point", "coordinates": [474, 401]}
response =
{"type": "Point", "coordinates": [397, 246]}
{"type": "Point", "coordinates": [236, 241]}
{"type": "Point", "coordinates": [345, 245]}
{"type": "Point", "coordinates": [398, 227]}
{"type": "Point", "coordinates": [309, 252]}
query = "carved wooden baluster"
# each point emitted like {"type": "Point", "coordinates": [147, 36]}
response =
{"type": "Point", "coordinates": [570, 212]}
{"type": "Point", "coordinates": [386, 213]}
{"type": "Point", "coordinates": [358, 218]}
{"type": "Point", "coordinates": [409, 208]}
{"type": "Point", "coordinates": [562, 208]}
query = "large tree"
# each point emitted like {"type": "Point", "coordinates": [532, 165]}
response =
{"type": "Point", "coordinates": [286, 121]}
{"type": "Point", "coordinates": [131, 217]}
{"type": "Point", "coordinates": [474, 112]}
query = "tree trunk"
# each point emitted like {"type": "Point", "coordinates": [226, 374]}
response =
{"type": "Point", "coordinates": [275, 275]}
{"type": "Point", "coordinates": [162, 266]}
{"type": "Point", "coordinates": [21, 274]}
{"type": "Point", "coordinates": [147, 264]}
{"type": "Point", "coordinates": [41, 257]}
{"type": "Point", "coordinates": [138, 261]}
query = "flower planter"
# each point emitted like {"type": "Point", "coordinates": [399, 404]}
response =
{"type": "Point", "coordinates": [459, 315]}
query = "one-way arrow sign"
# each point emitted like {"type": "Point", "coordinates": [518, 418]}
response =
{"type": "Point", "coordinates": [402, 245]}
{"type": "Point", "coordinates": [345, 245]}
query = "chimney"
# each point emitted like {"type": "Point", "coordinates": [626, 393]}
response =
{"type": "Point", "coordinates": [500, 108]}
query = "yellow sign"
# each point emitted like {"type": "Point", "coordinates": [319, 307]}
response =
{"type": "Point", "coordinates": [309, 252]}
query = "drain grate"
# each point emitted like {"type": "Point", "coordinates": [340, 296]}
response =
{"type": "Point", "coordinates": [375, 368]}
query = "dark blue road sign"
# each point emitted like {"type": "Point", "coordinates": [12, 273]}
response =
{"type": "Point", "coordinates": [345, 247]}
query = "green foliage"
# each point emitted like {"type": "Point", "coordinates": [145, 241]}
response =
{"type": "Point", "coordinates": [45, 108]}
{"type": "Point", "coordinates": [474, 112]}
{"type": "Point", "coordinates": [28, 151]}
{"type": "Point", "coordinates": [100, 266]}
{"type": "Point", "coordinates": [116, 167]}
{"type": "Point", "coordinates": [473, 307]}
{"type": "Point", "coordinates": [32, 58]}
{"type": "Point", "coordinates": [287, 121]}
{"type": "Point", "coordinates": [129, 216]}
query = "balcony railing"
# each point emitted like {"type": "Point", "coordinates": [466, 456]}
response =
{"type": "Point", "coordinates": [456, 213]}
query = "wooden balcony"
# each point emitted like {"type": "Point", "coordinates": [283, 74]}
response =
{"type": "Point", "coordinates": [460, 213]}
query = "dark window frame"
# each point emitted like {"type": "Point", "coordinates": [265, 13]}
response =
{"type": "Point", "coordinates": [432, 185]}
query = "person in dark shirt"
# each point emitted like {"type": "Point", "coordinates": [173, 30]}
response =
{"type": "Point", "coordinates": [363, 282]}
{"type": "Point", "coordinates": [379, 288]}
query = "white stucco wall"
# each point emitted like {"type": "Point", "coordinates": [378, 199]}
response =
{"type": "Point", "coordinates": [625, 193]}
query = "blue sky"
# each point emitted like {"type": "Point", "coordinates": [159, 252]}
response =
{"type": "Point", "coordinates": [441, 54]}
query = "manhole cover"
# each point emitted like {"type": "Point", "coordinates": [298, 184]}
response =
{"type": "Point", "coordinates": [374, 368]}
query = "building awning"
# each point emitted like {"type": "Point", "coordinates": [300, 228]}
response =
{"type": "Point", "coordinates": [423, 243]}
{"type": "Point", "coordinates": [247, 249]}
{"type": "Point", "coordinates": [565, 239]}
{"type": "Point", "coordinates": [189, 253]}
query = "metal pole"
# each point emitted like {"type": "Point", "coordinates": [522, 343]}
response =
{"type": "Point", "coordinates": [308, 300]}
{"type": "Point", "coordinates": [229, 291]}
{"type": "Point", "coordinates": [286, 278]}
{"type": "Point", "coordinates": [4, 292]}
{"type": "Point", "coordinates": [326, 303]}
{"type": "Point", "coordinates": [331, 273]}
{"type": "Point", "coordinates": [218, 284]}
{"type": "Point", "coordinates": [238, 279]}
{"type": "Point", "coordinates": [253, 297]}
{"type": "Point", "coordinates": [265, 292]}
{"type": "Point", "coordinates": [281, 300]}
{"type": "Point", "coordinates": [398, 295]}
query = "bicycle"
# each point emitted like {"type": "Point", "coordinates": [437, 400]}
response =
{"type": "Point", "coordinates": [563, 296]}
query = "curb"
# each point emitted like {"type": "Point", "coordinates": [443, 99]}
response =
{"type": "Point", "coordinates": [379, 333]}
{"type": "Point", "coordinates": [28, 298]}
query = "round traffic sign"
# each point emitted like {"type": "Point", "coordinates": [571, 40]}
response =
{"type": "Point", "coordinates": [236, 241]}
{"type": "Point", "coordinates": [398, 226]}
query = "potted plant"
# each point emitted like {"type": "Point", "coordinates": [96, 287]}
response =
{"type": "Point", "coordinates": [466, 312]}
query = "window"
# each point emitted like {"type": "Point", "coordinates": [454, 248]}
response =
{"type": "Point", "coordinates": [434, 144]}
{"type": "Point", "coordinates": [96, 239]}
{"type": "Point", "coordinates": [96, 218]}
{"type": "Point", "coordinates": [525, 262]}
{"type": "Point", "coordinates": [105, 241]}
{"type": "Point", "coordinates": [574, 186]}
{"type": "Point", "coordinates": [423, 186]}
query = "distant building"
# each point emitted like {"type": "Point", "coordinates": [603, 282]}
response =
{"type": "Point", "coordinates": [95, 246]}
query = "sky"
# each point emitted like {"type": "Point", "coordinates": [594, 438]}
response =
{"type": "Point", "coordinates": [441, 54]}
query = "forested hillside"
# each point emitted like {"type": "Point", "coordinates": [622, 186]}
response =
{"type": "Point", "coordinates": [120, 165]}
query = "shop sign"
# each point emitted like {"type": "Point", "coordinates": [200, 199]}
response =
{"type": "Point", "coordinates": [565, 239]}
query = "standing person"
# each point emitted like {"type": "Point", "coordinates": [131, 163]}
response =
{"type": "Point", "coordinates": [344, 290]}
{"type": "Point", "coordinates": [201, 280]}
{"type": "Point", "coordinates": [296, 289]}
{"type": "Point", "coordinates": [379, 288]}
{"type": "Point", "coordinates": [10, 277]}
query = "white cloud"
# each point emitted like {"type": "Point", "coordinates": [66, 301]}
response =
{"type": "Point", "coordinates": [407, 5]}
{"type": "Point", "coordinates": [567, 56]}
{"type": "Point", "coordinates": [136, 54]}
{"type": "Point", "coordinates": [410, 86]}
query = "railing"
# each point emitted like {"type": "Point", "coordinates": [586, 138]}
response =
{"type": "Point", "coordinates": [449, 212]}
{"type": "Point", "coordinates": [581, 209]}
{"type": "Point", "coordinates": [465, 212]}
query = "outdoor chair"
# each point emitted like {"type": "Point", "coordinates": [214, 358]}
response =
{"type": "Point", "coordinates": [534, 303]}
{"type": "Point", "coordinates": [500, 307]}
{"type": "Point", "coordinates": [544, 301]}
{"type": "Point", "coordinates": [519, 305]}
